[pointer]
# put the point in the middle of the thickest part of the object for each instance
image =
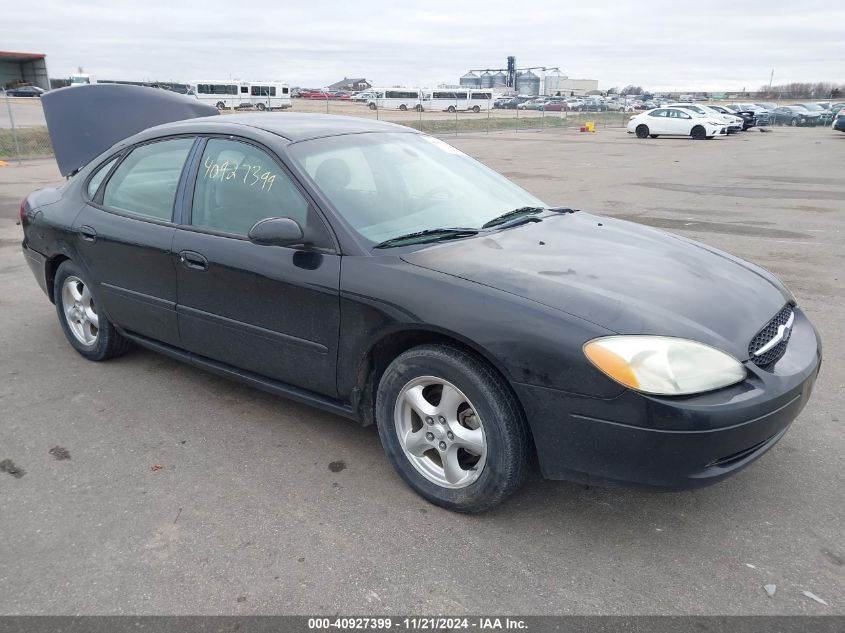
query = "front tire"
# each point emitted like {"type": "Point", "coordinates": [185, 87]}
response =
{"type": "Point", "coordinates": [221, 105]}
{"type": "Point", "coordinates": [451, 428]}
{"type": "Point", "coordinates": [372, 106]}
{"type": "Point", "coordinates": [86, 328]}
{"type": "Point", "coordinates": [476, 109]}
{"type": "Point", "coordinates": [403, 107]}
{"type": "Point", "coordinates": [642, 131]}
{"type": "Point", "coordinates": [793, 121]}
{"type": "Point", "coordinates": [698, 133]}
{"type": "Point", "coordinates": [261, 107]}
{"type": "Point", "coordinates": [450, 109]}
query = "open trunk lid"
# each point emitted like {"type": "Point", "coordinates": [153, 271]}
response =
{"type": "Point", "coordinates": [84, 121]}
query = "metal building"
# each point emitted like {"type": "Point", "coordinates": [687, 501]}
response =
{"type": "Point", "coordinates": [23, 68]}
{"type": "Point", "coordinates": [553, 81]}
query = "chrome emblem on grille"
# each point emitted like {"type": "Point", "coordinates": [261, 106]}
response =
{"type": "Point", "coordinates": [782, 336]}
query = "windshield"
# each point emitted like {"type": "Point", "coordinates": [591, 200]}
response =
{"type": "Point", "coordinates": [390, 184]}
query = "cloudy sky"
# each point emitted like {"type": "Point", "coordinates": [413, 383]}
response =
{"type": "Point", "coordinates": [661, 45]}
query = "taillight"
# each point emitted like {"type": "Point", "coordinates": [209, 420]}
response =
{"type": "Point", "coordinates": [22, 212]}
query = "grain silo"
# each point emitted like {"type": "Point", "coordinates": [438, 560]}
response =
{"type": "Point", "coordinates": [486, 79]}
{"type": "Point", "coordinates": [527, 83]}
{"type": "Point", "coordinates": [470, 80]}
{"type": "Point", "coordinates": [500, 80]}
{"type": "Point", "coordinates": [553, 82]}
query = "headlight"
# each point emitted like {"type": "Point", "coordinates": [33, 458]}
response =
{"type": "Point", "coordinates": [662, 365]}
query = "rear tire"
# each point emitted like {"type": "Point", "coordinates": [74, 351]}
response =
{"type": "Point", "coordinates": [372, 106]}
{"type": "Point", "coordinates": [698, 133]}
{"type": "Point", "coordinates": [480, 413]}
{"type": "Point", "coordinates": [86, 328]}
{"type": "Point", "coordinates": [450, 109]}
{"type": "Point", "coordinates": [403, 107]}
{"type": "Point", "coordinates": [261, 107]}
{"type": "Point", "coordinates": [418, 108]}
{"type": "Point", "coordinates": [221, 105]}
{"type": "Point", "coordinates": [642, 131]}
{"type": "Point", "coordinates": [476, 109]}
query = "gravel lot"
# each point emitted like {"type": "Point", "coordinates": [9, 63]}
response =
{"type": "Point", "coordinates": [177, 492]}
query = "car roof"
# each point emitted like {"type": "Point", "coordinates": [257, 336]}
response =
{"type": "Point", "coordinates": [297, 126]}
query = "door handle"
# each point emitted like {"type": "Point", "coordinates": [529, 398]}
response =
{"type": "Point", "coordinates": [193, 260]}
{"type": "Point", "coordinates": [88, 233]}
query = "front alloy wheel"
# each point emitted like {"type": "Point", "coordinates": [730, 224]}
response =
{"type": "Point", "coordinates": [452, 428]}
{"type": "Point", "coordinates": [440, 432]}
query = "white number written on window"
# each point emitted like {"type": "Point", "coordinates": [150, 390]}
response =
{"type": "Point", "coordinates": [250, 175]}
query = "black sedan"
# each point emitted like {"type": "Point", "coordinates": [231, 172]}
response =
{"type": "Point", "coordinates": [795, 116]}
{"type": "Point", "coordinates": [25, 91]}
{"type": "Point", "coordinates": [379, 273]}
{"type": "Point", "coordinates": [839, 120]}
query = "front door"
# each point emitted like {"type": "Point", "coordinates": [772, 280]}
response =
{"type": "Point", "coordinates": [124, 236]}
{"type": "Point", "coordinates": [270, 310]}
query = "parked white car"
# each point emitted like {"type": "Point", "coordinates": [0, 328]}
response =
{"type": "Point", "coordinates": [676, 122]}
{"type": "Point", "coordinates": [733, 122]}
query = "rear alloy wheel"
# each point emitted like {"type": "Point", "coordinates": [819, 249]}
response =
{"type": "Point", "coordinates": [452, 428]}
{"type": "Point", "coordinates": [698, 133]}
{"type": "Point", "coordinates": [403, 107]}
{"type": "Point", "coordinates": [86, 329]}
{"type": "Point", "coordinates": [221, 105]}
{"type": "Point", "coordinates": [642, 131]}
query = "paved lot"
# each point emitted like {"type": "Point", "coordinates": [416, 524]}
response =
{"type": "Point", "coordinates": [245, 515]}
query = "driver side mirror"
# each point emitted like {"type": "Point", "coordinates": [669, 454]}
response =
{"type": "Point", "coordinates": [276, 232]}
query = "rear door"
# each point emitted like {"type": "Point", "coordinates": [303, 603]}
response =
{"type": "Point", "coordinates": [270, 310]}
{"type": "Point", "coordinates": [124, 234]}
{"type": "Point", "coordinates": [658, 122]}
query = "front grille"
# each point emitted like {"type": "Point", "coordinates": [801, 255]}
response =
{"type": "Point", "coordinates": [766, 335]}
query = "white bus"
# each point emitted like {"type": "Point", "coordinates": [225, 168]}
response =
{"type": "Point", "coordinates": [263, 95]}
{"type": "Point", "coordinates": [460, 100]}
{"type": "Point", "coordinates": [395, 99]}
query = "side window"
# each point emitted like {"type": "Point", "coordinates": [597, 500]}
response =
{"type": "Point", "coordinates": [145, 182]}
{"type": "Point", "coordinates": [98, 177]}
{"type": "Point", "coordinates": [238, 185]}
{"type": "Point", "coordinates": [659, 113]}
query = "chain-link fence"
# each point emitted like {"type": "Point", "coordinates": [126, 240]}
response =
{"type": "Point", "coordinates": [23, 131]}
{"type": "Point", "coordinates": [459, 116]}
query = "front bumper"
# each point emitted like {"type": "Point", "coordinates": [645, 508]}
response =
{"type": "Point", "coordinates": [673, 443]}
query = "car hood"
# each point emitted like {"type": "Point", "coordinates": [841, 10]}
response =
{"type": "Point", "coordinates": [84, 121]}
{"type": "Point", "coordinates": [622, 276]}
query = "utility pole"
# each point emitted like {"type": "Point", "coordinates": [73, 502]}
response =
{"type": "Point", "coordinates": [771, 77]}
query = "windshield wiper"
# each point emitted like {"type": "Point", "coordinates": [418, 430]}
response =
{"type": "Point", "coordinates": [429, 235]}
{"type": "Point", "coordinates": [510, 215]}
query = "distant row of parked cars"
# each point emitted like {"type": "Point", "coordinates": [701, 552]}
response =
{"type": "Point", "coordinates": [701, 121]}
